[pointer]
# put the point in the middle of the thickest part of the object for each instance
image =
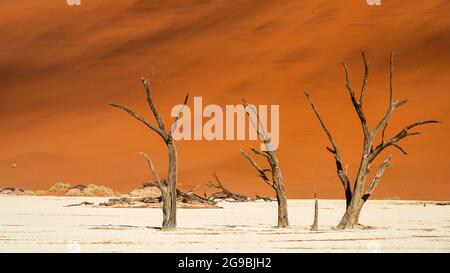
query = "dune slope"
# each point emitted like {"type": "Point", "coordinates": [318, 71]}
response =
{"type": "Point", "coordinates": [60, 66]}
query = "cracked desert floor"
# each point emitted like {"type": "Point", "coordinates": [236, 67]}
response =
{"type": "Point", "coordinates": [44, 224]}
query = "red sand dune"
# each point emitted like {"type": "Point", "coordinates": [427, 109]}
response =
{"type": "Point", "coordinates": [60, 66]}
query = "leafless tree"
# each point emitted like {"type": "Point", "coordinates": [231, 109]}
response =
{"type": "Point", "coordinates": [359, 194]}
{"type": "Point", "coordinates": [169, 189]}
{"type": "Point", "coordinates": [271, 176]}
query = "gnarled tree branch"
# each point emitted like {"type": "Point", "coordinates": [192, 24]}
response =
{"type": "Point", "coordinates": [155, 175]}
{"type": "Point", "coordinates": [376, 178]}
{"type": "Point", "coordinates": [405, 132]}
{"type": "Point", "coordinates": [260, 170]}
{"type": "Point", "coordinates": [141, 119]}
{"type": "Point", "coordinates": [175, 122]}
{"type": "Point", "coordinates": [335, 151]}
{"type": "Point", "coordinates": [358, 104]}
{"type": "Point", "coordinates": [146, 82]}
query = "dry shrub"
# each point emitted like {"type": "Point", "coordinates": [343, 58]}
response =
{"type": "Point", "coordinates": [60, 187]}
{"type": "Point", "coordinates": [395, 197]}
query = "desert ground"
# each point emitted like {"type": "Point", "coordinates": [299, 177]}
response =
{"type": "Point", "coordinates": [44, 224]}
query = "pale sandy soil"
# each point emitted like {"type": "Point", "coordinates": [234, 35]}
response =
{"type": "Point", "coordinates": [43, 224]}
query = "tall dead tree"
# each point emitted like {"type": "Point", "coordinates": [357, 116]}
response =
{"type": "Point", "coordinates": [168, 190]}
{"type": "Point", "coordinates": [271, 176]}
{"type": "Point", "coordinates": [359, 194]}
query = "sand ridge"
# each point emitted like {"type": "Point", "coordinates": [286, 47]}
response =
{"type": "Point", "coordinates": [60, 66]}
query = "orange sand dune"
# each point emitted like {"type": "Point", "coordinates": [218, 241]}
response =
{"type": "Point", "coordinates": [60, 66]}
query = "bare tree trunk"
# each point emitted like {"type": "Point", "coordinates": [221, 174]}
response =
{"type": "Point", "coordinates": [279, 189]}
{"type": "Point", "coordinates": [315, 225]}
{"type": "Point", "coordinates": [168, 191]}
{"type": "Point", "coordinates": [282, 209]}
{"type": "Point", "coordinates": [169, 220]}
{"type": "Point", "coordinates": [275, 178]}
{"type": "Point", "coordinates": [170, 206]}
{"type": "Point", "coordinates": [350, 219]}
{"type": "Point", "coordinates": [356, 199]}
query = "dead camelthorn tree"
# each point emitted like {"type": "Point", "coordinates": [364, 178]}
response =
{"type": "Point", "coordinates": [168, 190]}
{"type": "Point", "coordinates": [271, 176]}
{"type": "Point", "coordinates": [359, 194]}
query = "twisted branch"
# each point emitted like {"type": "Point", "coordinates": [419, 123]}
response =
{"type": "Point", "coordinates": [335, 151]}
{"type": "Point", "coordinates": [175, 122]}
{"type": "Point", "coordinates": [261, 171]}
{"type": "Point", "coordinates": [376, 178]}
{"type": "Point", "coordinates": [141, 119]}
{"type": "Point", "coordinates": [155, 175]}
